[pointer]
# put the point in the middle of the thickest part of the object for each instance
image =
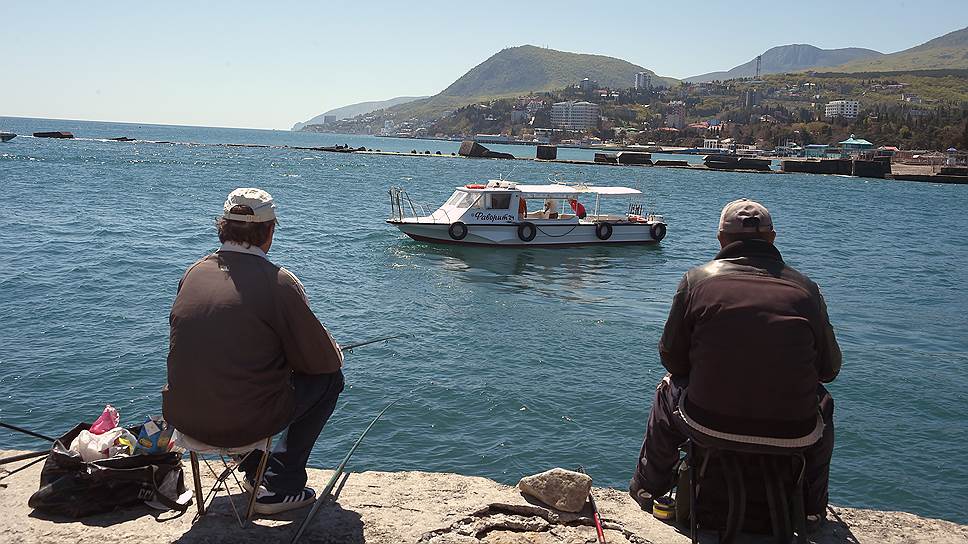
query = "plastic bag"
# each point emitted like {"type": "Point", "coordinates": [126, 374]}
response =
{"type": "Point", "coordinates": [113, 443]}
{"type": "Point", "coordinates": [109, 420]}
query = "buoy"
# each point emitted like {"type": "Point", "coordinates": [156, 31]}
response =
{"type": "Point", "coordinates": [474, 186]}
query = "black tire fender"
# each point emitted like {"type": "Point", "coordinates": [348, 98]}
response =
{"type": "Point", "coordinates": [527, 231]}
{"type": "Point", "coordinates": [658, 231]}
{"type": "Point", "coordinates": [457, 230]}
{"type": "Point", "coordinates": [603, 230]}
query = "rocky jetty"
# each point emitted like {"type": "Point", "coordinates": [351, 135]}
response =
{"type": "Point", "coordinates": [420, 507]}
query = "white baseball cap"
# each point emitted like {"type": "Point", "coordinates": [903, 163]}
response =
{"type": "Point", "coordinates": [263, 208]}
{"type": "Point", "coordinates": [745, 216]}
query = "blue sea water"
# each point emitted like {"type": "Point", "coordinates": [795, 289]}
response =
{"type": "Point", "coordinates": [525, 359]}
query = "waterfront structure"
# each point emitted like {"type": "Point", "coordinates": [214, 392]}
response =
{"type": "Point", "coordinates": [848, 109]}
{"type": "Point", "coordinates": [573, 115]}
{"type": "Point", "coordinates": [853, 146]}
{"type": "Point", "coordinates": [815, 150]}
{"type": "Point", "coordinates": [329, 119]}
{"type": "Point", "coordinates": [643, 81]}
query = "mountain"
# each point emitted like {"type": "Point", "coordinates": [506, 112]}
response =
{"type": "Point", "coordinates": [948, 52]}
{"type": "Point", "coordinates": [528, 68]}
{"type": "Point", "coordinates": [362, 108]}
{"type": "Point", "coordinates": [790, 58]}
{"type": "Point", "coordinates": [524, 69]}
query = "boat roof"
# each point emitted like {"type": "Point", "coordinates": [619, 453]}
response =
{"type": "Point", "coordinates": [558, 190]}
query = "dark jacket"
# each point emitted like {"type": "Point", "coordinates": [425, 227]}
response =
{"type": "Point", "coordinates": [754, 339]}
{"type": "Point", "coordinates": [240, 326]}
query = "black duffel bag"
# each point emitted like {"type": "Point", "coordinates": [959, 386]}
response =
{"type": "Point", "coordinates": [74, 488]}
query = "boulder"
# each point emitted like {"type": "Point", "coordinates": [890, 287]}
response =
{"type": "Point", "coordinates": [559, 488]}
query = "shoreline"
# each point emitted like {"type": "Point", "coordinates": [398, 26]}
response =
{"type": "Point", "coordinates": [421, 507]}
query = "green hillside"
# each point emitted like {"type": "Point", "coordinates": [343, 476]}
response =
{"type": "Point", "coordinates": [948, 52]}
{"type": "Point", "coordinates": [520, 70]}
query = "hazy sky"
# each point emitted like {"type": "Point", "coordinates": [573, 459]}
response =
{"type": "Point", "coordinates": [271, 64]}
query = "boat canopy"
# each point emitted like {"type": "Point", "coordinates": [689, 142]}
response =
{"type": "Point", "coordinates": [557, 190]}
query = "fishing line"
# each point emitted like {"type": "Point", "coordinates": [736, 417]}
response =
{"type": "Point", "coordinates": [349, 348]}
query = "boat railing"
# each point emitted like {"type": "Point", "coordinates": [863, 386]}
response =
{"type": "Point", "coordinates": [402, 208]}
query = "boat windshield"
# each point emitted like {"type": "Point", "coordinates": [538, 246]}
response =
{"type": "Point", "coordinates": [469, 200]}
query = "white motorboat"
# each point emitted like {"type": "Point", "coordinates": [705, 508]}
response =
{"type": "Point", "coordinates": [498, 214]}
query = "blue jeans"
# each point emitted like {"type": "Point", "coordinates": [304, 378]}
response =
{"type": "Point", "coordinates": [316, 396]}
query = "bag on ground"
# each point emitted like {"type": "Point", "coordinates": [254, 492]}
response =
{"type": "Point", "coordinates": [72, 487]}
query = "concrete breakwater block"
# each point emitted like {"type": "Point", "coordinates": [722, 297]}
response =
{"type": "Point", "coordinates": [547, 152]}
{"type": "Point", "coordinates": [634, 157]}
{"type": "Point", "coordinates": [470, 148]}
{"type": "Point", "coordinates": [57, 134]}
{"type": "Point", "coordinates": [563, 489]}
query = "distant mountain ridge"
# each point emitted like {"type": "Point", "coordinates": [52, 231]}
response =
{"type": "Point", "coordinates": [524, 69]}
{"type": "Point", "coordinates": [790, 58]}
{"type": "Point", "coordinates": [948, 52]}
{"type": "Point", "coordinates": [361, 108]}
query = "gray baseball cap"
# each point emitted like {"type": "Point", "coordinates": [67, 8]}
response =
{"type": "Point", "coordinates": [263, 208]}
{"type": "Point", "coordinates": [745, 216]}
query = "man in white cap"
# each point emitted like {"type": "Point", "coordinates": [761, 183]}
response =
{"type": "Point", "coordinates": [750, 339]}
{"type": "Point", "coordinates": [248, 358]}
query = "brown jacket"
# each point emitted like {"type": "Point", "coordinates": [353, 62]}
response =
{"type": "Point", "coordinates": [240, 326]}
{"type": "Point", "coordinates": [754, 339]}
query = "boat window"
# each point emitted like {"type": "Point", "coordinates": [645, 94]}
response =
{"type": "Point", "coordinates": [500, 201]}
{"type": "Point", "coordinates": [455, 198]}
{"type": "Point", "coordinates": [469, 200]}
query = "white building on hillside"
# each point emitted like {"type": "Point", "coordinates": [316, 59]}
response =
{"type": "Point", "coordinates": [847, 109]}
{"type": "Point", "coordinates": [643, 81]}
{"type": "Point", "coordinates": [575, 115]}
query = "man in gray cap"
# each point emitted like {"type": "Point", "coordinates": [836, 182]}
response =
{"type": "Point", "coordinates": [248, 358]}
{"type": "Point", "coordinates": [750, 339]}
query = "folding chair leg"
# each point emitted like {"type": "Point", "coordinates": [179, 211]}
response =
{"type": "Point", "coordinates": [259, 475]}
{"type": "Point", "coordinates": [197, 477]}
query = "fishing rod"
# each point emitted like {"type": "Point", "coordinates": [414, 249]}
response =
{"type": "Point", "coordinates": [339, 469]}
{"type": "Point", "coordinates": [22, 457]}
{"type": "Point", "coordinates": [595, 514]}
{"type": "Point", "coordinates": [350, 347]}
{"type": "Point", "coordinates": [26, 432]}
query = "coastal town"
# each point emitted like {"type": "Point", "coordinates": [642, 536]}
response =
{"type": "Point", "coordinates": [785, 115]}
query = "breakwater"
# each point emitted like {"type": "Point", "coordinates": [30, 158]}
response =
{"type": "Point", "coordinates": [423, 508]}
{"type": "Point", "coordinates": [846, 167]}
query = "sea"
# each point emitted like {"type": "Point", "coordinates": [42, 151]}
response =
{"type": "Point", "coordinates": [521, 359]}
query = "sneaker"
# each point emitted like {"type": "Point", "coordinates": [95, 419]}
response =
{"type": "Point", "coordinates": [815, 522]}
{"type": "Point", "coordinates": [643, 498]}
{"type": "Point", "coordinates": [270, 502]}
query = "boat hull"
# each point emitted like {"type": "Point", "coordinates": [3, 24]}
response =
{"type": "Point", "coordinates": [545, 234]}
{"type": "Point", "coordinates": [7, 136]}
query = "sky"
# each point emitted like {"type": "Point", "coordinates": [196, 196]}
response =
{"type": "Point", "coordinates": [272, 64]}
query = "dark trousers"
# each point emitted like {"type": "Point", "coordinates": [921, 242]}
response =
{"type": "Point", "coordinates": [660, 449]}
{"type": "Point", "coordinates": [316, 396]}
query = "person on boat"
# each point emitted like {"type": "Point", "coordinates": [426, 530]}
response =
{"type": "Point", "coordinates": [749, 343]}
{"type": "Point", "coordinates": [248, 358]}
{"type": "Point", "coordinates": [522, 209]}
{"type": "Point", "coordinates": [550, 210]}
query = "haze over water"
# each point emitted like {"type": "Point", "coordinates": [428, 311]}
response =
{"type": "Point", "coordinates": [525, 359]}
